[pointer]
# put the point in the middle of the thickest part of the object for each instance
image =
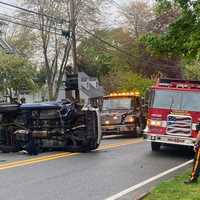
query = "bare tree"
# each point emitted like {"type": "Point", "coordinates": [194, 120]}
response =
{"type": "Point", "coordinates": [52, 26]}
{"type": "Point", "coordinates": [137, 15]}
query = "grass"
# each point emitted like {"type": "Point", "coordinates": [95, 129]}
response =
{"type": "Point", "coordinates": [175, 189]}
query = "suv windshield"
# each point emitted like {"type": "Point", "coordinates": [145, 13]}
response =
{"type": "Point", "coordinates": [180, 100]}
{"type": "Point", "coordinates": [118, 103]}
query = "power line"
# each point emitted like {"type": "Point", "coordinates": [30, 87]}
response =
{"type": "Point", "coordinates": [28, 26]}
{"type": "Point", "coordinates": [28, 22]}
{"type": "Point", "coordinates": [107, 43]}
{"type": "Point", "coordinates": [117, 5]}
{"type": "Point", "coordinates": [110, 45]}
{"type": "Point", "coordinates": [33, 12]}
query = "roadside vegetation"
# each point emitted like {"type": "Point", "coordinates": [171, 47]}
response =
{"type": "Point", "coordinates": [160, 40]}
{"type": "Point", "coordinates": [17, 75]}
{"type": "Point", "coordinates": [154, 42]}
{"type": "Point", "coordinates": [175, 189]}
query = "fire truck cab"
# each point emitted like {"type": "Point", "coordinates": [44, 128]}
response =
{"type": "Point", "coordinates": [122, 113]}
{"type": "Point", "coordinates": [174, 113]}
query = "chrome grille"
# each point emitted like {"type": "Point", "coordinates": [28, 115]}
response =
{"type": "Point", "coordinates": [179, 125]}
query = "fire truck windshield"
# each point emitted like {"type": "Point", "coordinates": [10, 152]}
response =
{"type": "Point", "coordinates": [117, 103]}
{"type": "Point", "coordinates": [180, 100]}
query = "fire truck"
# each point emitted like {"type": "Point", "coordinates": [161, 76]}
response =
{"type": "Point", "coordinates": [122, 113]}
{"type": "Point", "coordinates": [174, 113]}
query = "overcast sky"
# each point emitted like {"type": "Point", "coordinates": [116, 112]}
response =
{"type": "Point", "coordinates": [111, 12]}
{"type": "Point", "coordinates": [112, 8]}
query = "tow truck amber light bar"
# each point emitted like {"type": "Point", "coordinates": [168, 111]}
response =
{"type": "Point", "coordinates": [124, 94]}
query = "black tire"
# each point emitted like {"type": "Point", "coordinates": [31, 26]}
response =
{"type": "Point", "coordinates": [155, 146]}
{"type": "Point", "coordinates": [92, 145]}
{"type": "Point", "coordinates": [139, 128]}
{"type": "Point", "coordinates": [138, 131]}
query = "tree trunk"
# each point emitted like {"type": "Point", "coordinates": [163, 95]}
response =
{"type": "Point", "coordinates": [50, 92]}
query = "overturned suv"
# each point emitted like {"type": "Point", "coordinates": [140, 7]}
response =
{"type": "Point", "coordinates": [48, 126]}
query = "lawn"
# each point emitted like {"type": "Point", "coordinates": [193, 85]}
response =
{"type": "Point", "coordinates": [175, 189]}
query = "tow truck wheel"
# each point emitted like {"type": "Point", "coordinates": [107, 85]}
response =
{"type": "Point", "coordinates": [138, 131]}
{"type": "Point", "coordinates": [155, 146]}
{"type": "Point", "coordinates": [139, 128]}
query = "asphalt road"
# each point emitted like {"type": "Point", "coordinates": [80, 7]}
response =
{"type": "Point", "coordinates": [117, 165]}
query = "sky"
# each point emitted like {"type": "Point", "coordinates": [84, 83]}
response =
{"type": "Point", "coordinates": [111, 12]}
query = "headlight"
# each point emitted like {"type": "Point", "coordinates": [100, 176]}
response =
{"type": "Point", "coordinates": [107, 122]}
{"type": "Point", "coordinates": [115, 117]}
{"type": "Point", "coordinates": [129, 119]}
{"type": "Point", "coordinates": [152, 122]}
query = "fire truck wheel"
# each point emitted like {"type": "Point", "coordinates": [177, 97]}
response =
{"type": "Point", "coordinates": [155, 146]}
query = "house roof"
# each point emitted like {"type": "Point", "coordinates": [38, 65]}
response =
{"type": "Point", "coordinates": [7, 47]}
{"type": "Point", "coordinates": [93, 92]}
{"type": "Point", "coordinates": [90, 91]}
{"type": "Point", "coordinates": [83, 76]}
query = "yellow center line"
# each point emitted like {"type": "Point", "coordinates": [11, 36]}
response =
{"type": "Point", "coordinates": [40, 159]}
{"type": "Point", "coordinates": [34, 159]}
{"type": "Point", "coordinates": [109, 146]}
{"type": "Point", "coordinates": [27, 162]}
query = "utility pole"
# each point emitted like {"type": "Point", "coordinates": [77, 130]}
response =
{"type": "Point", "coordinates": [73, 37]}
{"type": "Point", "coordinates": [73, 34]}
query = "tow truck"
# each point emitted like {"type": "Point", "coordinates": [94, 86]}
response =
{"type": "Point", "coordinates": [174, 113]}
{"type": "Point", "coordinates": [122, 113]}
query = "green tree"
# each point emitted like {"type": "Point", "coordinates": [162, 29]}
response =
{"type": "Point", "coordinates": [16, 75]}
{"type": "Point", "coordinates": [22, 39]}
{"type": "Point", "coordinates": [97, 58]}
{"type": "Point", "coordinates": [191, 70]}
{"type": "Point", "coordinates": [126, 81]}
{"type": "Point", "coordinates": [182, 36]}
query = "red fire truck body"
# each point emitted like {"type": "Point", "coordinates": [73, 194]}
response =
{"type": "Point", "coordinates": [174, 112]}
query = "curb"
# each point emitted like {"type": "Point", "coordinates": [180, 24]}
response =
{"type": "Point", "coordinates": [141, 197]}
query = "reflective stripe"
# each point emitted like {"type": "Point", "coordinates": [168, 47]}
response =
{"type": "Point", "coordinates": [196, 164]}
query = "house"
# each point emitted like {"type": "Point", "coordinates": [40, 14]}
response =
{"type": "Point", "coordinates": [4, 45]}
{"type": "Point", "coordinates": [89, 89]}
